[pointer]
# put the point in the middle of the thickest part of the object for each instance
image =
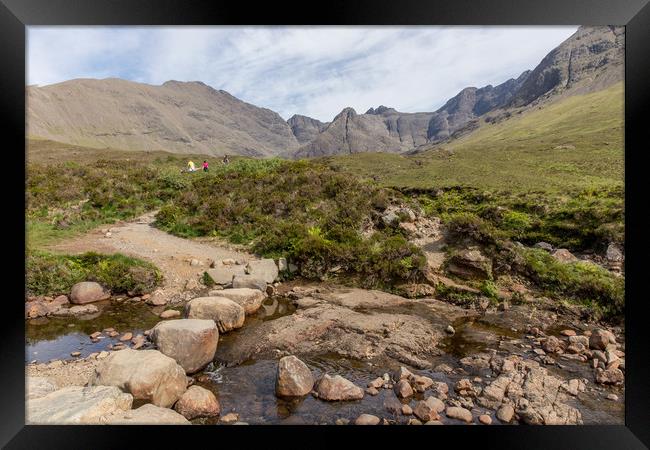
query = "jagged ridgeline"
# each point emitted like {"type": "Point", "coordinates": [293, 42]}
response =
{"type": "Point", "coordinates": [191, 117]}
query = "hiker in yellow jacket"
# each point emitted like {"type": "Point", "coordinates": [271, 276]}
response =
{"type": "Point", "coordinates": [191, 167]}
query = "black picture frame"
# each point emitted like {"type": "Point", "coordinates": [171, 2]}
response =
{"type": "Point", "coordinates": [15, 15]}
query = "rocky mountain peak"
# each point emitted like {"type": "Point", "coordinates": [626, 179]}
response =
{"type": "Point", "coordinates": [382, 110]}
{"type": "Point", "coordinates": [345, 113]}
{"type": "Point", "coordinates": [589, 60]}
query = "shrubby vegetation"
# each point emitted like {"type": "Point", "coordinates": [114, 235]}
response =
{"type": "Point", "coordinates": [589, 219]}
{"type": "Point", "coordinates": [580, 281]}
{"type": "Point", "coordinates": [300, 210]}
{"type": "Point", "coordinates": [56, 274]}
{"type": "Point", "coordinates": [315, 214]}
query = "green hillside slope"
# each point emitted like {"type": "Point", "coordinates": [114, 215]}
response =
{"type": "Point", "coordinates": [573, 144]}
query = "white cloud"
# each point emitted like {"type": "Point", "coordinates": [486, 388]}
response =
{"type": "Point", "coordinates": [315, 71]}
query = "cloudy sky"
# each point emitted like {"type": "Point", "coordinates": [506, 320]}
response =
{"type": "Point", "coordinates": [314, 71]}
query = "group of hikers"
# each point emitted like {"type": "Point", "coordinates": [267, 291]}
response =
{"type": "Point", "coordinates": [192, 168]}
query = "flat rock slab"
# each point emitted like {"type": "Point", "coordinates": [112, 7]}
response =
{"type": "Point", "coordinates": [227, 314]}
{"type": "Point", "coordinates": [353, 323]}
{"type": "Point", "coordinates": [36, 387]}
{"type": "Point", "coordinates": [192, 343]}
{"type": "Point", "coordinates": [77, 405]}
{"type": "Point", "coordinates": [148, 415]}
{"type": "Point", "coordinates": [249, 299]}
{"type": "Point", "coordinates": [146, 374]}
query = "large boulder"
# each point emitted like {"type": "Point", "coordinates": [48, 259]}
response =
{"type": "Point", "coordinates": [428, 409]}
{"type": "Point", "coordinates": [614, 253]}
{"type": "Point", "coordinates": [35, 309]}
{"type": "Point", "coordinates": [609, 376]}
{"type": "Point", "coordinates": [470, 263]}
{"type": "Point", "coordinates": [337, 388]}
{"type": "Point", "coordinates": [146, 374]}
{"type": "Point", "coordinates": [456, 412]}
{"type": "Point", "coordinates": [37, 387]}
{"type": "Point", "coordinates": [249, 299]}
{"type": "Point", "coordinates": [192, 343]}
{"type": "Point", "coordinates": [77, 405]}
{"type": "Point", "coordinates": [197, 402]}
{"type": "Point", "coordinates": [265, 269]}
{"type": "Point", "coordinates": [565, 256]}
{"type": "Point", "coordinates": [367, 419]}
{"type": "Point", "coordinates": [600, 339]}
{"type": "Point", "coordinates": [249, 281]}
{"type": "Point", "coordinates": [294, 379]}
{"type": "Point", "coordinates": [227, 314]}
{"type": "Point", "coordinates": [224, 274]}
{"type": "Point", "coordinates": [88, 292]}
{"type": "Point", "coordinates": [148, 414]}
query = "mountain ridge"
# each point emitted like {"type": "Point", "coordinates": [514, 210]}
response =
{"type": "Point", "coordinates": [192, 117]}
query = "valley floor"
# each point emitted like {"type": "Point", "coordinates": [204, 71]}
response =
{"type": "Point", "coordinates": [517, 364]}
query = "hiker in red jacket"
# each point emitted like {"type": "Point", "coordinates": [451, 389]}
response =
{"type": "Point", "coordinates": [205, 166]}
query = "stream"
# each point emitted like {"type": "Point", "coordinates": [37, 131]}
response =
{"type": "Point", "coordinates": [249, 388]}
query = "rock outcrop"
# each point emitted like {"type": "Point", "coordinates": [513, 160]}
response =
{"type": "Point", "coordinates": [589, 60]}
{"type": "Point", "coordinates": [304, 128]}
{"type": "Point", "coordinates": [353, 323]}
{"type": "Point", "coordinates": [36, 387]}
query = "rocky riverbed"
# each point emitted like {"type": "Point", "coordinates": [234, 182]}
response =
{"type": "Point", "coordinates": [253, 350]}
{"type": "Point", "coordinates": [513, 366]}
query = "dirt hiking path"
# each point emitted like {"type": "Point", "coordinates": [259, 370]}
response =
{"type": "Point", "coordinates": [171, 254]}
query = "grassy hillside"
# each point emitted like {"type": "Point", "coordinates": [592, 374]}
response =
{"type": "Point", "coordinates": [573, 144]}
{"type": "Point", "coordinates": [553, 174]}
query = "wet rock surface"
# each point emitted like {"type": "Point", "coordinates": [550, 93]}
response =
{"type": "Point", "coordinates": [294, 378]}
{"type": "Point", "coordinates": [353, 323]}
{"type": "Point", "coordinates": [493, 366]}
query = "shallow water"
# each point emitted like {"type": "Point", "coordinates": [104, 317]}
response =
{"type": "Point", "coordinates": [249, 388]}
{"type": "Point", "coordinates": [56, 338]}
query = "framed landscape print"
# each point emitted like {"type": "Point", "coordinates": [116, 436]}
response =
{"type": "Point", "coordinates": [413, 214]}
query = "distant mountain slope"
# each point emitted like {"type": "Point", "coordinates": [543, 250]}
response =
{"type": "Point", "coordinates": [304, 128]}
{"type": "Point", "coordinates": [576, 142]}
{"type": "Point", "coordinates": [590, 60]}
{"type": "Point", "coordinates": [385, 129]}
{"type": "Point", "coordinates": [469, 104]}
{"type": "Point", "coordinates": [180, 117]}
{"type": "Point", "coordinates": [350, 132]}
{"type": "Point", "coordinates": [191, 117]}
